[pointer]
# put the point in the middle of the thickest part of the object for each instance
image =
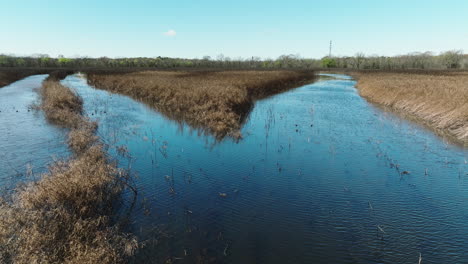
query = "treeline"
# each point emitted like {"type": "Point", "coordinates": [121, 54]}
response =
{"type": "Point", "coordinates": [427, 60]}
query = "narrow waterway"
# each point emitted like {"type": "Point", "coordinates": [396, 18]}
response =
{"type": "Point", "coordinates": [28, 143]}
{"type": "Point", "coordinates": [321, 176]}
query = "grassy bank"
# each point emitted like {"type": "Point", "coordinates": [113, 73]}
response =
{"type": "Point", "coordinates": [65, 217]}
{"type": "Point", "coordinates": [438, 99]}
{"type": "Point", "coordinates": [214, 101]}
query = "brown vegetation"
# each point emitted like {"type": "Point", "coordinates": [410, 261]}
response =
{"type": "Point", "coordinates": [10, 75]}
{"type": "Point", "coordinates": [65, 217]}
{"type": "Point", "coordinates": [438, 99]}
{"type": "Point", "coordinates": [215, 101]}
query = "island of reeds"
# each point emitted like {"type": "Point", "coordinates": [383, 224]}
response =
{"type": "Point", "coordinates": [215, 101]}
{"type": "Point", "coordinates": [67, 215]}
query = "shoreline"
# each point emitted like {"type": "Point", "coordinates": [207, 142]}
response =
{"type": "Point", "coordinates": [438, 102]}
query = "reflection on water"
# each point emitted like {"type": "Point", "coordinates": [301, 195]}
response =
{"type": "Point", "coordinates": [27, 142]}
{"type": "Point", "coordinates": [320, 177]}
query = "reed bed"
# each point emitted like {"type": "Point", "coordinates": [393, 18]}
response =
{"type": "Point", "coordinates": [438, 100]}
{"type": "Point", "coordinates": [66, 216]}
{"type": "Point", "coordinates": [217, 102]}
{"type": "Point", "coordinates": [10, 75]}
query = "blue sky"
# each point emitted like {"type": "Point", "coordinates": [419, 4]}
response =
{"type": "Point", "coordinates": [242, 28]}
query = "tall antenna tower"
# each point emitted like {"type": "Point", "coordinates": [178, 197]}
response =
{"type": "Point", "coordinates": [329, 54]}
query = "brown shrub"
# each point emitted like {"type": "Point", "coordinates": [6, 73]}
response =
{"type": "Point", "coordinates": [440, 101]}
{"type": "Point", "coordinates": [215, 101]}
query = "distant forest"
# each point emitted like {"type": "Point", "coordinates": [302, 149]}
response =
{"type": "Point", "coordinates": [447, 60]}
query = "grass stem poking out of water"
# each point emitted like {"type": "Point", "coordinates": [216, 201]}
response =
{"type": "Point", "coordinates": [66, 216]}
{"type": "Point", "coordinates": [439, 100]}
{"type": "Point", "coordinates": [218, 102]}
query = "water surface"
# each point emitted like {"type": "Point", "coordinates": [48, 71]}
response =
{"type": "Point", "coordinates": [321, 176]}
{"type": "Point", "coordinates": [27, 142]}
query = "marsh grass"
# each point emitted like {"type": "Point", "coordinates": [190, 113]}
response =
{"type": "Point", "coordinates": [66, 216]}
{"type": "Point", "coordinates": [438, 99]}
{"type": "Point", "coordinates": [10, 75]}
{"type": "Point", "coordinates": [217, 102]}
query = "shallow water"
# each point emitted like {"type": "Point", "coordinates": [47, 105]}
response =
{"type": "Point", "coordinates": [318, 178]}
{"type": "Point", "coordinates": [27, 142]}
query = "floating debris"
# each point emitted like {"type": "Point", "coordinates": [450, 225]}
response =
{"type": "Point", "coordinates": [223, 194]}
{"type": "Point", "coordinates": [381, 229]}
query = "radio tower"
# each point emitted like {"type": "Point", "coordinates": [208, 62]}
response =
{"type": "Point", "coordinates": [329, 54]}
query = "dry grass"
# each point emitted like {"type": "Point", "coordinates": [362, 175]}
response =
{"type": "Point", "coordinates": [61, 105]}
{"type": "Point", "coordinates": [440, 101]}
{"type": "Point", "coordinates": [214, 101]}
{"type": "Point", "coordinates": [65, 217]}
{"type": "Point", "coordinates": [10, 75]}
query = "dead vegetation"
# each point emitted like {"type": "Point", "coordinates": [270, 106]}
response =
{"type": "Point", "coordinates": [215, 101]}
{"type": "Point", "coordinates": [66, 216]}
{"type": "Point", "coordinates": [10, 75]}
{"type": "Point", "coordinates": [439, 100]}
{"type": "Point", "coordinates": [61, 106]}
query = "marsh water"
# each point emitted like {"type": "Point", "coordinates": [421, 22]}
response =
{"type": "Point", "coordinates": [321, 176]}
{"type": "Point", "coordinates": [27, 142]}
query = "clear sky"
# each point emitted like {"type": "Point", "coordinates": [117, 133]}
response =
{"type": "Point", "coordinates": [234, 28]}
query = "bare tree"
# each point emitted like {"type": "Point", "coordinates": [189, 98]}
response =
{"type": "Point", "coordinates": [358, 60]}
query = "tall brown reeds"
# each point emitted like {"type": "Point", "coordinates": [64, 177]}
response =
{"type": "Point", "coordinates": [10, 75]}
{"type": "Point", "coordinates": [66, 216]}
{"type": "Point", "coordinates": [215, 101]}
{"type": "Point", "coordinates": [438, 100]}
